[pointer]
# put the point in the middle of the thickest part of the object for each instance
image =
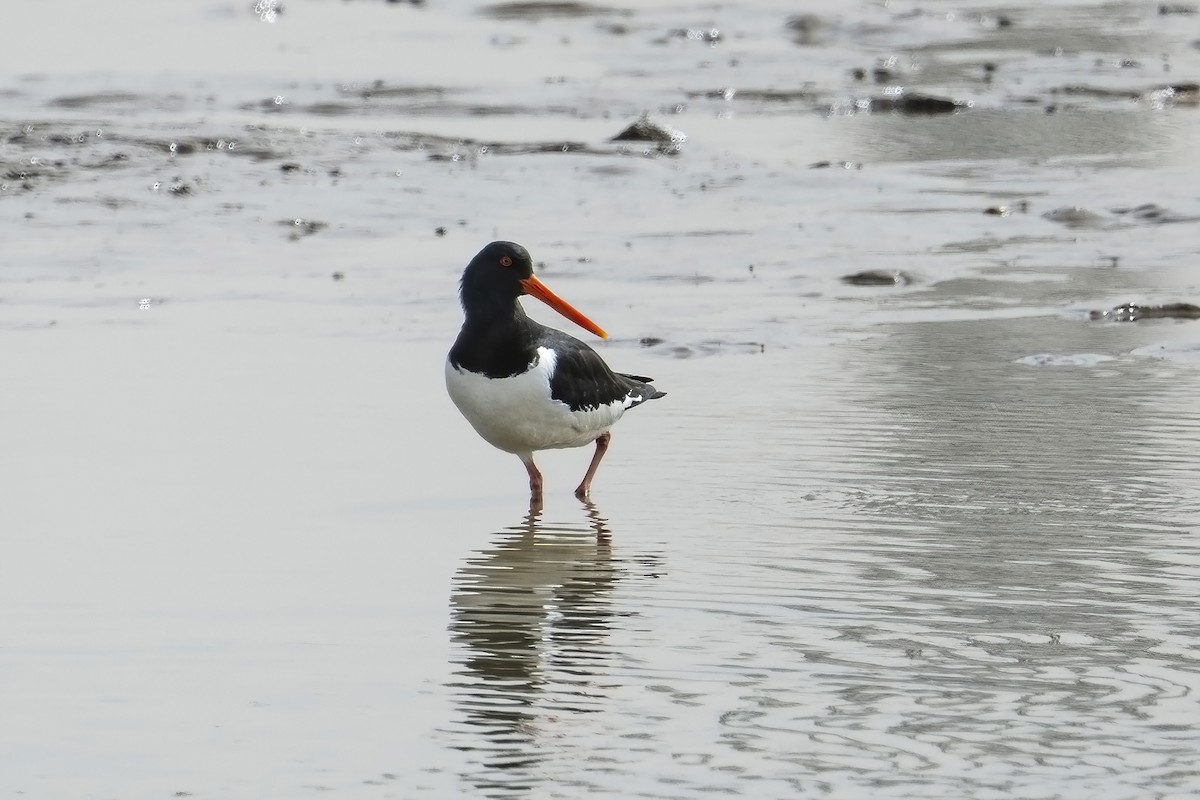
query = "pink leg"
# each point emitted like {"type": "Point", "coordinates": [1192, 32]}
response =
{"type": "Point", "coordinates": [601, 448]}
{"type": "Point", "coordinates": [535, 480]}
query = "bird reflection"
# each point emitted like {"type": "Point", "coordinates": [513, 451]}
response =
{"type": "Point", "coordinates": [531, 615]}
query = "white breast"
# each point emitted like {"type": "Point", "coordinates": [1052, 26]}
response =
{"type": "Point", "coordinates": [518, 415]}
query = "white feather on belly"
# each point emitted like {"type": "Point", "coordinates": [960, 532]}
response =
{"type": "Point", "coordinates": [518, 415]}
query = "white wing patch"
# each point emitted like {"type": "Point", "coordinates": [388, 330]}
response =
{"type": "Point", "coordinates": [518, 415]}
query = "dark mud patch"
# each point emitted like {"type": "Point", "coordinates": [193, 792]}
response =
{"type": "Point", "coordinates": [693, 279]}
{"type": "Point", "coordinates": [986, 244]}
{"type": "Point", "coordinates": [300, 228]}
{"type": "Point", "coordinates": [728, 94]}
{"type": "Point", "coordinates": [103, 99]}
{"type": "Point", "coordinates": [50, 153]}
{"type": "Point", "coordinates": [915, 104]}
{"type": "Point", "coordinates": [897, 102]}
{"type": "Point", "coordinates": [521, 149]}
{"type": "Point", "coordinates": [709, 347]}
{"type": "Point", "coordinates": [26, 176]}
{"type": "Point", "coordinates": [699, 233]}
{"type": "Point", "coordinates": [810, 30]}
{"type": "Point", "coordinates": [111, 161]}
{"type": "Point", "coordinates": [837, 164]}
{"type": "Point", "coordinates": [1076, 217]}
{"type": "Point", "coordinates": [612, 170]}
{"type": "Point", "coordinates": [537, 11]}
{"type": "Point", "coordinates": [878, 277]}
{"type": "Point", "coordinates": [710, 36]}
{"type": "Point", "coordinates": [234, 145]}
{"type": "Point", "coordinates": [387, 100]}
{"type": "Point", "coordinates": [381, 89]}
{"type": "Point", "coordinates": [1097, 92]}
{"type": "Point", "coordinates": [1133, 312]}
{"type": "Point", "coordinates": [1153, 214]}
{"type": "Point", "coordinates": [325, 108]}
{"type": "Point", "coordinates": [497, 110]}
{"type": "Point", "coordinates": [104, 201]}
{"type": "Point", "coordinates": [614, 28]}
{"type": "Point", "coordinates": [28, 326]}
{"type": "Point", "coordinates": [1021, 207]}
{"type": "Point", "coordinates": [457, 148]}
{"type": "Point", "coordinates": [1161, 96]}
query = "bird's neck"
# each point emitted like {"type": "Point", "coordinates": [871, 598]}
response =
{"type": "Point", "coordinates": [496, 341]}
{"type": "Point", "coordinates": [498, 317]}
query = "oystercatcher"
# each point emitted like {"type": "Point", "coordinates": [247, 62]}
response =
{"type": "Point", "coordinates": [526, 387]}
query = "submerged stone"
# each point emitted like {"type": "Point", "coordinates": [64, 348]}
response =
{"type": "Point", "coordinates": [646, 131]}
{"type": "Point", "coordinates": [917, 104]}
{"type": "Point", "coordinates": [878, 277]}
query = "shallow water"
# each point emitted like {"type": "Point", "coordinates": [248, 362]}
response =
{"type": "Point", "coordinates": [924, 540]}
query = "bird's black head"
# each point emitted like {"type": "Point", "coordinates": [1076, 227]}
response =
{"type": "Point", "coordinates": [497, 276]}
{"type": "Point", "coordinates": [494, 275]}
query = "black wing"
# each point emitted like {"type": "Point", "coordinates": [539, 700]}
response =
{"type": "Point", "coordinates": [582, 380]}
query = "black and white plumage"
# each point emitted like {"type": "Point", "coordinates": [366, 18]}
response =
{"type": "Point", "coordinates": [526, 387]}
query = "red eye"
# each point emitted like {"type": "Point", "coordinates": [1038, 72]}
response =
{"type": "Point", "coordinates": [505, 261]}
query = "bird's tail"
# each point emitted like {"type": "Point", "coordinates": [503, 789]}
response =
{"type": "Point", "coordinates": [651, 393]}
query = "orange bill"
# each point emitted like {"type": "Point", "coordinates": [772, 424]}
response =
{"type": "Point", "coordinates": [535, 288]}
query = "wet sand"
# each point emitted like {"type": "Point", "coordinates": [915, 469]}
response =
{"type": "Point", "coordinates": [930, 537]}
